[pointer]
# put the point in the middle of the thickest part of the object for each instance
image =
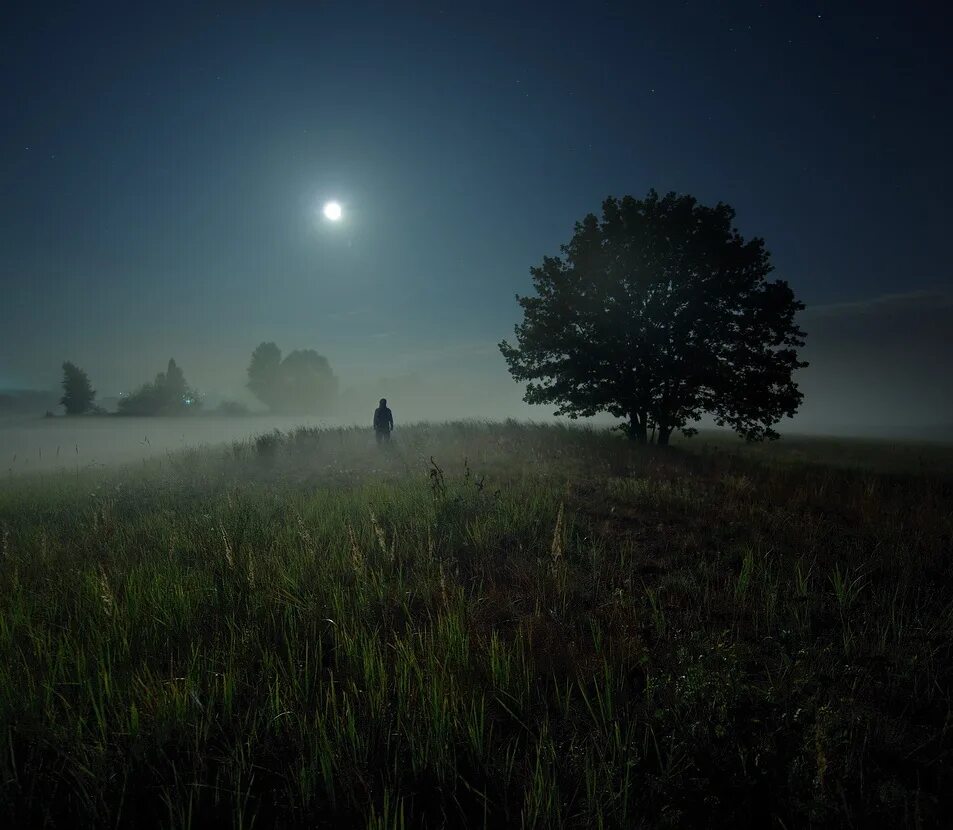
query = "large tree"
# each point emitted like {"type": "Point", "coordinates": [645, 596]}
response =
{"type": "Point", "coordinates": [302, 383]}
{"type": "Point", "coordinates": [264, 374]}
{"type": "Point", "coordinates": [308, 384]}
{"type": "Point", "coordinates": [658, 313]}
{"type": "Point", "coordinates": [78, 392]}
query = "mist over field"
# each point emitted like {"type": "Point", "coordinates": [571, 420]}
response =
{"type": "Point", "coordinates": [878, 369]}
{"type": "Point", "coordinates": [875, 372]}
{"type": "Point", "coordinates": [30, 442]}
{"type": "Point", "coordinates": [518, 416]}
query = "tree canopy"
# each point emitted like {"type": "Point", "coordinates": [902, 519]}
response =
{"type": "Point", "coordinates": [78, 393]}
{"type": "Point", "coordinates": [302, 383]}
{"type": "Point", "coordinates": [264, 373]}
{"type": "Point", "coordinates": [658, 313]}
{"type": "Point", "coordinates": [168, 394]}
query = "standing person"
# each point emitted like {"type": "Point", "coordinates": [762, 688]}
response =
{"type": "Point", "coordinates": [383, 421]}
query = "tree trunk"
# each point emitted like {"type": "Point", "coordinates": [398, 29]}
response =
{"type": "Point", "coordinates": [637, 428]}
{"type": "Point", "coordinates": [663, 434]}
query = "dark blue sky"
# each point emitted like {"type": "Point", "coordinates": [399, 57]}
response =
{"type": "Point", "coordinates": [162, 168]}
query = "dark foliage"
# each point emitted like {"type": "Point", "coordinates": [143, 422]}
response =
{"type": "Point", "coordinates": [168, 394]}
{"type": "Point", "coordinates": [658, 313]}
{"type": "Point", "coordinates": [302, 383]}
{"type": "Point", "coordinates": [78, 393]}
{"type": "Point", "coordinates": [263, 373]}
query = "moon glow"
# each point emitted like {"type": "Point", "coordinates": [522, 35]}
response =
{"type": "Point", "coordinates": [332, 211]}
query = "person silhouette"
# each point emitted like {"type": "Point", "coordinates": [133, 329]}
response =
{"type": "Point", "coordinates": [383, 421]}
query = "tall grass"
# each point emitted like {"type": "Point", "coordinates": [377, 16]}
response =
{"type": "Point", "coordinates": [493, 625]}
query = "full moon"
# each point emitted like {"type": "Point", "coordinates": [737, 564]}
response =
{"type": "Point", "coordinates": [332, 211]}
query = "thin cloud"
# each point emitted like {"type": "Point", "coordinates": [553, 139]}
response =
{"type": "Point", "coordinates": [881, 360]}
{"type": "Point", "coordinates": [347, 315]}
{"type": "Point", "coordinates": [884, 303]}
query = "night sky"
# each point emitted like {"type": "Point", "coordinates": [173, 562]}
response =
{"type": "Point", "coordinates": [162, 171]}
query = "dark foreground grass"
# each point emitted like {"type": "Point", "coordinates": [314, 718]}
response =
{"type": "Point", "coordinates": [539, 627]}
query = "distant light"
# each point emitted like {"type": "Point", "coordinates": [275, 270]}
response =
{"type": "Point", "coordinates": [332, 211]}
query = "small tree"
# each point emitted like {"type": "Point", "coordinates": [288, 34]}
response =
{"type": "Point", "coordinates": [658, 313]}
{"type": "Point", "coordinates": [175, 390]}
{"type": "Point", "coordinates": [168, 394]}
{"type": "Point", "coordinates": [78, 393]}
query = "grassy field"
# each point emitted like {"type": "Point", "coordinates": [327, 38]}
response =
{"type": "Point", "coordinates": [492, 625]}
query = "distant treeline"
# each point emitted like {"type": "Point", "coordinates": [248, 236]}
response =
{"type": "Point", "coordinates": [168, 394]}
{"type": "Point", "coordinates": [300, 384]}
{"type": "Point", "coordinates": [658, 313]}
{"type": "Point", "coordinates": [26, 401]}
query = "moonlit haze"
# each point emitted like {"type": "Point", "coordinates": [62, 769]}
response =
{"type": "Point", "coordinates": [476, 414]}
{"type": "Point", "coordinates": [373, 182]}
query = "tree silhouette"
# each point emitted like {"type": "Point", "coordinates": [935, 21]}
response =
{"type": "Point", "coordinates": [168, 394]}
{"type": "Point", "coordinates": [302, 383]}
{"type": "Point", "coordinates": [175, 390]}
{"type": "Point", "coordinates": [264, 374]}
{"type": "Point", "coordinates": [308, 384]}
{"type": "Point", "coordinates": [78, 393]}
{"type": "Point", "coordinates": [658, 313]}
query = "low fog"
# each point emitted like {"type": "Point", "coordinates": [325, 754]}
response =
{"type": "Point", "coordinates": [879, 368]}
{"type": "Point", "coordinates": [168, 185]}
